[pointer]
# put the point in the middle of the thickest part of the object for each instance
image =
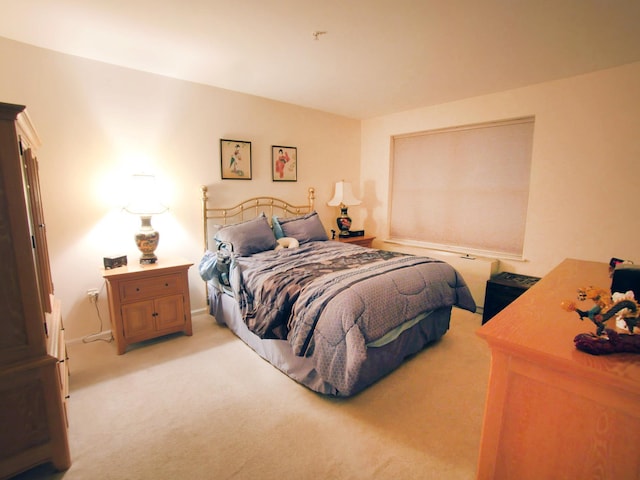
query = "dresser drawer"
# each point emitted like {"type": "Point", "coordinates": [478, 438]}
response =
{"type": "Point", "coordinates": [150, 287]}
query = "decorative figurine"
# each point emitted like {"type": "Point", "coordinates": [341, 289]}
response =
{"type": "Point", "coordinates": [622, 306]}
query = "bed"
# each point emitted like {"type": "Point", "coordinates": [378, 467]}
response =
{"type": "Point", "coordinates": [333, 316]}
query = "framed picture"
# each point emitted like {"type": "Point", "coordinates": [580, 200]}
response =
{"type": "Point", "coordinates": [284, 164]}
{"type": "Point", "coordinates": [235, 159]}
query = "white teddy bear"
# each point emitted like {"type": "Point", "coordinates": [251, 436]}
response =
{"type": "Point", "coordinates": [287, 242]}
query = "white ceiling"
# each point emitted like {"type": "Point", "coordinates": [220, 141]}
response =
{"type": "Point", "coordinates": [377, 57]}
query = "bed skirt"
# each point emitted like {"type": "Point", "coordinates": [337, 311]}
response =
{"type": "Point", "coordinates": [380, 360]}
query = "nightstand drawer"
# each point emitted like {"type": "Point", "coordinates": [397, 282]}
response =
{"type": "Point", "coordinates": [150, 287]}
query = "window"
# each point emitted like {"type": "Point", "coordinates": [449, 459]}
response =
{"type": "Point", "coordinates": [463, 189]}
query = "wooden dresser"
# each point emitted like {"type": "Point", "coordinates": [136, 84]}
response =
{"type": "Point", "coordinates": [148, 301]}
{"type": "Point", "coordinates": [553, 411]}
{"type": "Point", "coordinates": [33, 367]}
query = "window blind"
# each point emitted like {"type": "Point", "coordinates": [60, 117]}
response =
{"type": "Point", "coordinates": [463, 189]}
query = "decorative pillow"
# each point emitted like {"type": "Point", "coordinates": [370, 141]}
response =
{"type": "Point", "coordinates": [247, 238]}
{"type": "Point", "coordinates": [287, 242]}
{"type": "Point", "coordinates": [306, 228]}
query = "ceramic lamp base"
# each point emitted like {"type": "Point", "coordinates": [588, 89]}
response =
{"type": "Point", "coordinates": [343, 222]}
{"type": "Point", "coordinates": [147, 241]}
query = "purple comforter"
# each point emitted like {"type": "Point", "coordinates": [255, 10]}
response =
{"type": "Point", "coordinates": [338, 304]}
{"type": "Point", "coordinates": [330, 289]}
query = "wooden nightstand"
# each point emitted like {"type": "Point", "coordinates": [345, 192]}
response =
{"type": "Point", "coordinates": [148, 301]}
{"type": "Point", "coordinates": [363, 241]}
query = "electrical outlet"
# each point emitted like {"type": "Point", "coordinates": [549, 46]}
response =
{"type": "Point", "coordinates": [92, 293]}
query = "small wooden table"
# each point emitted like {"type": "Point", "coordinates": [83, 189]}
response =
{"type": "Point", "coordinates": [503, 289]}
{"type": "Point", "coordinates": [553, 411]}
{"type": "Point", "coordinates": [148, 301]}
{"type": "Point", "coordinates": [363, 241]}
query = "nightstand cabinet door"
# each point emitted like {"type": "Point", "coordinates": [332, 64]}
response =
{"type": "Point", "coordinates": [137, 320]}
{"type": "Point", "coordinates": [169, 313]}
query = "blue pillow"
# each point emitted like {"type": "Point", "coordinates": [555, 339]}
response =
{"type": "Point", "coordinates": [277, 229]}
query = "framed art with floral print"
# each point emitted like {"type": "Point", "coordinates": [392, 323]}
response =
{"type": "Point", "coordinates": [235, 159]}
{"type": "Point", "coordinates": [284, 163]}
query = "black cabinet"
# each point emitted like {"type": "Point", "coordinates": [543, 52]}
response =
{"type": "Point", "coordinates": [503, 289]}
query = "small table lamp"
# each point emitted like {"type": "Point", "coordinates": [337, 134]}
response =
{"type": "Point", "coordinates": [145, 202]}
{"type": "Point", "coordinates": [343, 197]}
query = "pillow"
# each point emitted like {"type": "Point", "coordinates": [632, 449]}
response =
{"type": "Point", "coordinates": [306, 228]}
{"type": "Point", "coordinates": [247, 238]}
{"type": "Point", "coordinates": [277, 229]}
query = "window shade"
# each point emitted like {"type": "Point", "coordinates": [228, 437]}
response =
{"type": "Point", "coordinates": [463, 189]}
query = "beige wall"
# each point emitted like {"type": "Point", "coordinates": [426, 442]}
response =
{"type": "Point", "coordinates": [100, 123]}
{"type": "Point", "coordinates": [585, 178]}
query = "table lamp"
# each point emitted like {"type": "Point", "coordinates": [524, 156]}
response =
{"type": "Point", "coordinates": [145, 202]}
{"type": "Point", "coordinates": [344, 198]}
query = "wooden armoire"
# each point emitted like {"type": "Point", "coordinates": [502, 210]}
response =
{"type": "Point", "coordinates": [33, 364]}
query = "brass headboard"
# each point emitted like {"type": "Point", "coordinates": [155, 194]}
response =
{"type": "Point", "coordinates": [251, 208]}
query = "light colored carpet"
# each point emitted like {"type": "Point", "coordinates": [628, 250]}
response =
{"type": "Point", "coordinates": [207, 407]}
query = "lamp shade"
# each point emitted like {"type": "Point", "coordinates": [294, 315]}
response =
{"type": "Point", "coordinates": [144, 199]}
{"type": "Point", "coordinates": [343, 195]}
